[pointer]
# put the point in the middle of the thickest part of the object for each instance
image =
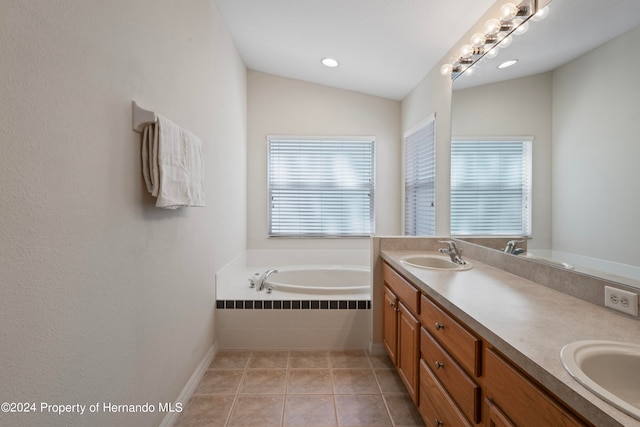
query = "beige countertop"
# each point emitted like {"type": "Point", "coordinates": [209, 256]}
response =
{"type": "Point", "coordinates": [527, 322]}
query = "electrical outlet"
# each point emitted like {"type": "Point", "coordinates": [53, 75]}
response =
{"type": "Point", "coordinates": [624, 301]}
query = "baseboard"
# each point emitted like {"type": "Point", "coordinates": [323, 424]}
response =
{"type": "Point", "coordinates": [191, 385]}
{"type": "Point", "coordinates": [376, 349]}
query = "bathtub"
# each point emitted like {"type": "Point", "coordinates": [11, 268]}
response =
{"type": "Point", "coordinates": [319, 299]}
{"type": "Point", "coordinates": [320, 279]}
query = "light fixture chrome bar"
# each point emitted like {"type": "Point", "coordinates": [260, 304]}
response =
{"type": "Point", "coordinates": [481, 43]}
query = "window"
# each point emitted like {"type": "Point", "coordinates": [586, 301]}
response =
{"type": "Point", "coordinates": [321, 187]}
{"type": "Point", "coordinates": [491, 187]}
{"type": "Point", "coordinates": [419, 179]}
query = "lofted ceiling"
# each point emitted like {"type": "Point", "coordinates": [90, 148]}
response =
{"type": "Point", "coordinates": [385, 47]}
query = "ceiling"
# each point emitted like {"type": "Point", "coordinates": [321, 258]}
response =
{"type": "Point", "coordinates": [385, 47]}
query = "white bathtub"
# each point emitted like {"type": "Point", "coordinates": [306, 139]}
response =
{"type": "Point", "coordinates": [321, 299]}
{"type": "Point", "coordinates": [320, 279]}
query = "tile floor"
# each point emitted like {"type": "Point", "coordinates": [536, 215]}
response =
{"type": "Point", "coordinates": [300, 388]}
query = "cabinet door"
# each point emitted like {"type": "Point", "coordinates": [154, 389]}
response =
{"type": "Point", "coordinates": [408, 350]}
{"type": "Point", "coordinates": [390, 325]}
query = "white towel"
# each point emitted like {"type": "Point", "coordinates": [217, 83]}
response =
{"type": "Point", "coordinates": [172, 165]}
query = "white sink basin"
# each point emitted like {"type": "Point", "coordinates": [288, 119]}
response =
{"type": "Point", "coordinates": [609, 369]}
{"type": "Point", "coordinates": [434, 262]}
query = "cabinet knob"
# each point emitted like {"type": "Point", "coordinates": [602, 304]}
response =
{"type": "Point", "coordinates": [439, 365]}
{"type": "Point", "coordinates": [438, 423]}
{"type": "Point", "coordinates": [392, 304]}
{"type": "Point", "coordinates": [439, 326]}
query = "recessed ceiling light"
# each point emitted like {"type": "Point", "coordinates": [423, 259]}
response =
{"type": "Point", "coordinates": [508, 64]}
{"type": "Point", "coordinates": [330, 62]}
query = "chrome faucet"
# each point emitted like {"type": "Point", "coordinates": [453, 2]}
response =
{"type": "Point", "coordinates": [264, 277]}
{"type": "Point", "coordinates": [511, 247]}
{"type": "Point", "coordinates": [452, 250]}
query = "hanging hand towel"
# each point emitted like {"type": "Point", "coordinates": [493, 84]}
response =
{"type": "Point", "coordinates": [172, 165]}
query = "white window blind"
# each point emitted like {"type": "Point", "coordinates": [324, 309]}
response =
{"type": "Point", "coordinates": [321, 187]}
{"type": "Point", "coordinates": [419, 180]}
{"type": "Point", "coordinates": [491, 188]}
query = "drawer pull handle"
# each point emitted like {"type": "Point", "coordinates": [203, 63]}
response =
{"type": "Point", "coordinates": [439, 365]}
{"type": "Point", "coordinates": [439, 326]}
{"type": "Point", "coordinates": [438, 423]}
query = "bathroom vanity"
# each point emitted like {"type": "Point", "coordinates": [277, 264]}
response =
{"type": "Point", "coordinates": [482, 346]}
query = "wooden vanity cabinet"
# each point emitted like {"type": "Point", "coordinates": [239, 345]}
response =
{"type": "Point", "coordinates": [390, 324]}
{"type": "Point", "coordinates": [455, 377]}
{"type": "Point", "coordinates": [514, 400]}
{"type": "Point", "coordinates": [401, 328]}
{"type": "Point", "coordinates": [450, 360]}
{"type": "Point", "coordinates": [495, 417]}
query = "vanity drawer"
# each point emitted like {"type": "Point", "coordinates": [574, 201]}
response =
{"type": "Point", "coordinates": [405, 291]}
{"type": "Point", "coordinates": [520, 399]}
{"type": "Point", "coordinates": [462, 345]}
{"type": "Point", "coordinates": [455, 380]}
{"type": "Point", "coordinates": [436, 406]}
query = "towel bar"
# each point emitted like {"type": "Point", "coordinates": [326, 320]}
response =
{"type": "Point", "coordinates": [142, 117]}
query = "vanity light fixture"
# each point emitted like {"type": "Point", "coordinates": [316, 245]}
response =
{"type": "Point", "coordinates": [330, 62]}
{"type": "Point", "coordinates": [497, 33]}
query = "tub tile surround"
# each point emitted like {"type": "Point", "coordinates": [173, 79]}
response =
{"type": "Point", "coordinates": [527, 322]}
{"type": "Point", "coordinates": [299, 388]}
{"type": "Point", "coordinates": [251, 319]}
{"type": "Point", "coordinates": [293, 329]}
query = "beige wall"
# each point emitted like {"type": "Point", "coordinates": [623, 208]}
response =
{"type": "Point", "coordinates": [596, 123]}
{"type": "Point", "coordinates": [282, 106]}
{"type": "Point", "coordinates": [433, 95]}
{"type": "Point", "coordinates": [518, 107]}
{"type": "Point", "coordinates": [105, 298]}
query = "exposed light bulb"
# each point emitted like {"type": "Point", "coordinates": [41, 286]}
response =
{"type": "Point", "coordinates": [521, 26]}
{"type": "Point", "coordinates": [478, 40]}
{"type": "Point", "coordinates": [541, 14]}
{"type": "Point", "coordinates": [493, 26]}
{"type": "Point", "coordinates": [466, 51]}
{"type": "Point", "coordinates": [508, 11]}
{"type": "Point", "coordinates": [446, 69]}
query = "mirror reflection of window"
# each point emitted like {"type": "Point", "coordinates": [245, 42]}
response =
{"type": "Point", "coordinates": [491, 187]}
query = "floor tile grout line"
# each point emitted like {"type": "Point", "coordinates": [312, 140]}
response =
{"type": "Point", "coordinates": [289, 369]}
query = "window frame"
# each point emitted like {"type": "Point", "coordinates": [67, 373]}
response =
{"type": "Point", "coordinates": [431, 215]}
{"type": "Point", "coordinates": [318, 139]}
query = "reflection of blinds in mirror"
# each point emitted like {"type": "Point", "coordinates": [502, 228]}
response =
{"type": "Point", "coordinates": [491, 188]}
{"type": "Point", "coordinates": [321, 187]}
{"type": "Point", "coordinates": [419, 180]}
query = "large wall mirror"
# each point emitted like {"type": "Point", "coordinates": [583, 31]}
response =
{"type": "Point", "coordinates": [576, 90]}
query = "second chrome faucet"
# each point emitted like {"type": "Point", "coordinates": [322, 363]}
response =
{"type": "Point", "coordinates": [452, 250]}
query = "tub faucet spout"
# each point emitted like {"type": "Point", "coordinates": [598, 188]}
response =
{"type": "Point", "coordinates": [264, 277]}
